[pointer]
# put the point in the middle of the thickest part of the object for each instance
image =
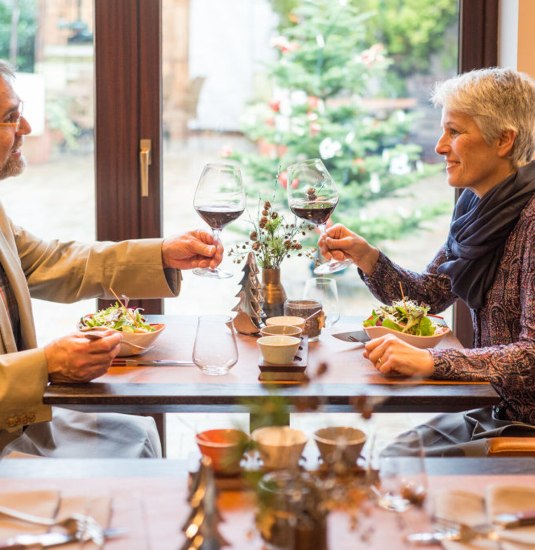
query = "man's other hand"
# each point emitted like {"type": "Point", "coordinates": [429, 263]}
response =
{"type": "Point", "coordinates": [76, 358]}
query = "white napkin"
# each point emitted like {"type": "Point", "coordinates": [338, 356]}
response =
{"type": "Point", "coordinates": [50, 504]}
{"type": "Point", "coordinates": [473, 509]}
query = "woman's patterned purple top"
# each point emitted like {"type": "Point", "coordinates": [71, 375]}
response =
{"type": "Point", "coordinates": [504, 339]}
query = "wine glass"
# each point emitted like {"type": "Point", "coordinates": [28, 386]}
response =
{"type": "Point", "coordinates": [219, 199]}
{"type": "Point", "coordinates": [215, 350]}
{"type": "Point", "coordinates": [324, 291]}
{"type": "Point", "coordinates": [402, 475]}
{"type": "Point", "coordinates": [312, 196]}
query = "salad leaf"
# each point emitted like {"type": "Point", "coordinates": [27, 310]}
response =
{"type": "Point", "coordinates": [117, 317]}
{"type": "Point", "coordinates": [387, 323]}
{"type": "Point", "coordinates": [404, 316]}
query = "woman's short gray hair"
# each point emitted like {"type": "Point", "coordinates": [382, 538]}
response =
{"type": "Point", "coordinates": [6, 70]}
{"type": "Point", "coordinates": [498, 99]}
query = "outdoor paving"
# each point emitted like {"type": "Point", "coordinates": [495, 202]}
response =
{"type": "Point", "coordinates": [56, 200]}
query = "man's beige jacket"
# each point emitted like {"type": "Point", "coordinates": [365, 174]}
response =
{"type": "Point", "coordinates": [62, 272]}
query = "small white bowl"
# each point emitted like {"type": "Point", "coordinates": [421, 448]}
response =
{"type": "Point", "coordinates": [422, 342]}
{"type": "Point", "coordinates": [280, 447]}
{"type": "Point", "coordinates": [342, 443]}
{"type": "Point", "coordinates": [287, 320]}
{"type": "Point", "coordinates": [278, 350]}
{"type": "Point", "coordinates": [277, 330]}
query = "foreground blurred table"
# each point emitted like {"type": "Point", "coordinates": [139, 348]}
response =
{"type": "Point", "coordinates": [179, 389]}
{"type": "Point", "coordinates": [149, 498]}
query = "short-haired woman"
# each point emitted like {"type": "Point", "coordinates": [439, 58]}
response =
{"type": "Point", "coordinates": [488, 261]}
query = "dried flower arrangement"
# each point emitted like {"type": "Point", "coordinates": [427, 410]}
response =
{"type": "Point", "coordinates": [272, 239]}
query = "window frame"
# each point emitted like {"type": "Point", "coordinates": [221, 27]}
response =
{"type": "Point", "coordinates": [128, 91]}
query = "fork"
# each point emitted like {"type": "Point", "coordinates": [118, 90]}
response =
{"type": "Point", "coordinates": [461, 532]}
{"type": "Point", "coordinates": [96, 336]}
{"type": "Point", "coordinates": [82, 526]}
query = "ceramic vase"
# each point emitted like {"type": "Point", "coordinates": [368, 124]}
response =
{"type": "Point", "coordinates": [272, 292]}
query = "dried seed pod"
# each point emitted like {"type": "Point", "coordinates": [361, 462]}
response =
{"type": "Point", "coordinates": [323, 367]}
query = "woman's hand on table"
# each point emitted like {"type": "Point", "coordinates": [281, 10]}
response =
{"type": "Point", "coordinates": [340, 243]}
{"type": "Point", "coordinates": [77, 359]}
{"type": "Point", "coordinates": [391, 356]}
{"type": "Point", "coordinates": [192, 249]}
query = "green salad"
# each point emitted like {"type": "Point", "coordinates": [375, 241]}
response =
{"type": "Point", "coordinates": [405, 316]}
{"type": "Point", "coordinates": [117, 317]}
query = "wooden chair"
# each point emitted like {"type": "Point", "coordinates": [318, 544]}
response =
{"type": "Point", "coordinates": [511, 446]}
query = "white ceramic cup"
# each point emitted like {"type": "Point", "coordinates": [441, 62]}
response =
{"type": "Point", "coordinates": [278, 350]}
{"type": "Point", "coordinates": [280, 447]}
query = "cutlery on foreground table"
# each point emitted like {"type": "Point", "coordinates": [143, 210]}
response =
{"type": "Point", "coordinates": [46, 540]}
{"type": "Point", "coordinates": [80, 526]}
{"type": "Point", "coordinates": [150, 363]}
{"type": "Point", "coordinates": [498, 530]}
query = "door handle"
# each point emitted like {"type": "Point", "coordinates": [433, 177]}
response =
{"type": "Point", "coordinates": [144, 163]}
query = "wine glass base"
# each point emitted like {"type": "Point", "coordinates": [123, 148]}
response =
{"type": "Point", "coordinates": [394, 503]}
{"type": "Point", "coordinates": [214, 371]}
{"type": "Point", "coordinates": [332, 267]}
{"type": "Point", "coordinates": [213, 273]}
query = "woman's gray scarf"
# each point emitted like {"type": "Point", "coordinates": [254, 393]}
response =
{"type": "Point", "coordinates": [478, 232]}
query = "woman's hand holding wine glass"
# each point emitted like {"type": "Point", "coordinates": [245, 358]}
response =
{"type": "Point", "coordinates": [219, 199]}
{"type": "Point", "coordinates": [312, 196]}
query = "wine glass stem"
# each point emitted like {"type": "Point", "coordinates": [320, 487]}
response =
{"type": "Point", "coordinates": [323, 228]}
{"type": "Point", "coordinates": [216, 233]}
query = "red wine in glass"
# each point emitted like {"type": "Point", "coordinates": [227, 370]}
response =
{"type": "Point", "coordinates": [312, 196]}
{"type": "Point", "coordinates": [218, 216]}
{"type": "Point", "coordinates": [318, 213]}
{"type": "Point", "coordinates": [219, 200]}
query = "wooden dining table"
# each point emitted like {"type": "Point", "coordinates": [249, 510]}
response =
{"type": "Point", "coordinates": [345, 375]}
{"type": "Point", "coordinates": [149, 499]}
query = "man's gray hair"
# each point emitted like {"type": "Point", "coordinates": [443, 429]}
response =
{"type": "Point", "coordinates": [498, 99]}
{"type": "Point", "coordinates": [6, 70]}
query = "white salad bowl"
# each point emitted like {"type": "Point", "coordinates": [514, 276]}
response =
{"type": "Point", "coordinates": [136, 343]}
{"type": "Point", "coordinates": [133, 343]}
{"type": "Point", "coordinates": [422, 342]}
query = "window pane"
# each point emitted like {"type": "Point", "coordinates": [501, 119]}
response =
{"type": "Point", "coordinates": [348, 82]}
{"type": "Point", "coordinates": [52, 49]}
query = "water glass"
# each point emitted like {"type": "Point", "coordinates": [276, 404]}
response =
{"type": "Point", "coordinates": [402, 475]}
{"type": "Point", "coordinates": [324, 291]}
{"type": "Point", "coordinates": [311, 311]}
{"type": "Point", "coordinates": [215, 350]}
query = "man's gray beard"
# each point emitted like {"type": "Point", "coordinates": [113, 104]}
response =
{"type": "Point", "coordinates": [13, 167]}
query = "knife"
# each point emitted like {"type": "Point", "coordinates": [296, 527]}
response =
{"type": "Point", "coordinates": [150, 363]}
{"type": "Point", "coordinates": [353, 336]}
{"type": "Point", "coordinates": [46, 540]}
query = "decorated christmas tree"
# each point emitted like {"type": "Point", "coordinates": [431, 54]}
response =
{"type": "Point", "coordinates": [249, 309]}
{"type": "Point", "coordinates": [326, 103]}
{"type": "Point", "coordinates": [201, 527]}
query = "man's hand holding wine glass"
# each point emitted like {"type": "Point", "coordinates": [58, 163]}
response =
{"type": "Point", "coordinates": [192, 249]}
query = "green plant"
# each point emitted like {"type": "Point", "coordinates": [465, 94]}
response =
{"type": "Point", "coordinates": [25, 33]}
{"type": "Point", "coordinates": [412, 31]}
{"type": "Point", "coordinates": [323, 80]}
